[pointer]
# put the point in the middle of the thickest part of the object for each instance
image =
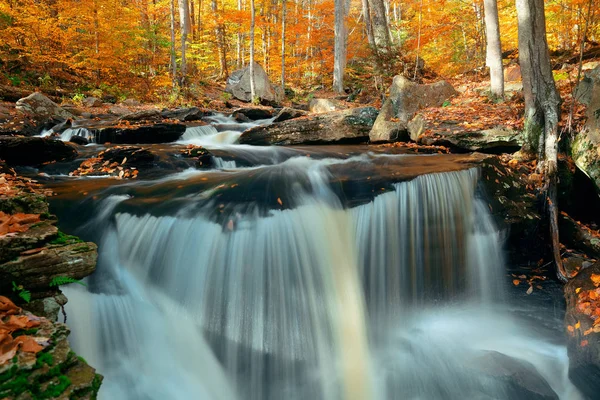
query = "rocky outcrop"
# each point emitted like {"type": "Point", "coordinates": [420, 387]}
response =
{"type": "Point", "coordinates": [137, 134]}
{"type": "Point", "coordinates": [406, 98]}
{"type": "Point", "coordinates": [36, 361]}
{"type": "Point", "coordinates": [41, 107]}
{"type": "Point", "coordinates": [495, 140]}
{"type": "Point", "coordinates": [349, 126]}
{"type": "Point", "coordinates": [204, 158]}
{"type": "Point", "coordinates": [238, 84]}
{"type": "Point", "coordinates": [255, 113]}
{"type": "Point", "coordinates": [142, 115]}
{"type": "Point", "coordinates": [583, 330]}
{"type": "Point", "coordinates": [585, 147]}
{"type": "Point", "coordinates": [92, 102]}
{"type": "Point", "coordinates": [289, 113]}
{"type": "Point", "coordinates": [34, 150]}
{"type": "Point", "coordinates": [318, 106]}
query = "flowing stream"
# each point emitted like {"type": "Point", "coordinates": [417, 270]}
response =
{"type": "Point", "coordinates": [291, 278]}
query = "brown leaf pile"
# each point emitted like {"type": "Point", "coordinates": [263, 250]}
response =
{"type": "Point", "coordinates": [16, 222]}
{"type": "Point", "coordinates": [12, 320]}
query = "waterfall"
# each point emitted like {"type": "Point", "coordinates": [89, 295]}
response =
{"type": "Point", "coordinates": [397, 298]}
{"type": "Point", "coordinates": [83, 132]}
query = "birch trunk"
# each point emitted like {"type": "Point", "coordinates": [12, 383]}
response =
{"type": "Point", "coordinates": [494, 47]}
{"type": "Point", "coordinates": [339, 56]}
{"type": "Point", "coordinates": [251, 66]}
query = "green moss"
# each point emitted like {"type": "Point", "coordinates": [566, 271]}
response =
{"type": "Point", "coordinates": [57, 389]}
{"type": "Point", "coordinates": [23, 332]}
{"type": "Point", "coordinates": [44, 358]}
{"type": "Point", "coordinates": [63, 238]}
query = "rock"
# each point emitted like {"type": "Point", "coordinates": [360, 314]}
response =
{"type": "Point", "coordinates": [407, 97]}
{"type": "Point", "coordinates": [348, 126]}
{"type": "Point", "coordinates": [92, 102]}
{"type": "Point", "coordinates": [116, 110]}
{"type": "Point", "coordinates": [317, 106]}
{"type": "Point", "coordinates": [36, 235]}
{"type": "Point", "coordinates": [35, 271]}
{"type": "Point", "coordinates": [109, 98]}
{"type": "Point", "coordinates": [577, 236]}
{"type": "Point", "coordinates": [132, 103]}
{"type": "Point", "coordinates": [583, 350]}
{"type": "Point", "coordinates": [47, 307]}
{"type": "Point", "coordinates": [496, 140]}
{"type": "Point", "coordinates": [136, 134]}
{"type": "Point", "coordinates": [255, 113]}
{"type": "Point", "coordinates": [80, 140]}
{"type": "Point", "coordinates": [121, 161]}
{"type": "Point", "coordinates": [416, 127]}
{"type": "Point", "coordinates": [585, 148]}
{"type": "Point", "coordinates": [287, 113]}
{"type": "Point", "coordinates": [590, 65]}
{"type": "Point", "coordinates": [72, 108]}
{"type": "Point", "coordinates": [238, 84]}
{"type": "Point", "coordinates": [143, 115]}
{"type": "Point", "coordinates": [34, 150]}
{"type": "Point", "coordinates": [519, 378]}
{"type": "Point", "coordinates": [239, 117]}
{"type": "Point", "coordinates": [183, 114]}
{"type": "Point", "coordinates": [41, 107]}
{"type": "Point", "coordinates": [512, 73]}
{"type": "Point", "coordinates": [204, 158]}
{"type": "Point", "coordinates": [12, 93]}
{"type": "Point", "coordinates": [387, 128]}
{"type": "Point", "coordinates": [4, 114]}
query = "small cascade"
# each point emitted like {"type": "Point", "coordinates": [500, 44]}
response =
{"type": "Point", "coordinates": [401, 296]}
{"type": "Point", "coordinates": [85, 133]}
{"type": "Point", "coordinates": [197, 132]}
{"type": "Point", "coordinates": [223, 164]}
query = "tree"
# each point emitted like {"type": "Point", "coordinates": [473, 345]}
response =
{"type": "Point", "coordinates": [251, 66]}
{"type": "Point", "coordinates": [379, 25]}
{"type": "Point", "coordinates": [340, 39]}
{"type": "Point", "coordinates": [173, 57]}
{"type": "Point", "coordinates": [184, 21]}
{"type": "Point", "coordinates": [283, 18]}
{"type": "Point", "coordinates": [542, 106]}
{"type": "Point", "coordinates": [494, 47]}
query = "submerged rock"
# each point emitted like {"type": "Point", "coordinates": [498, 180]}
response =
{"type": "Point", "coordinates": [349, 126]}
{"type": "Point", "coordinates": [238, 84]}
{"type": "Point", "coordinates": [137, 134]}
{"type": "Point", "coordinates": [121, 162]}
{"type": "Point", "coordinates": [34, 150]}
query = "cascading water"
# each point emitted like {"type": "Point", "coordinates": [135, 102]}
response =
{"type": "Point", "coordinates": [399, 297]}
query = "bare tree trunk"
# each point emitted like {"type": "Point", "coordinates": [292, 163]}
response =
{"type": "Point", "coordinates": [283, 17]}
{"type": "Point", "coordinates": [339, 55]}
{"type": "Point", "coordinates": [184, 27]}
{"type": "Point", "coordinates": [379, 21]}
{"type": "Point", "coordinates": [251, 67]}
{"type": "Point", "coordinates": [239, 42]}
{"type": "Point", "coordinates": [97, 42]}
{"type": "Point", "coordinates": [173, 58]}
{"type": "Point", "coordinates": [494, 47]}
{"type": "Point", "coordinates": [542, 107]}
{"type": "Point", "coordinates": [369, 27]}
{"type": "Point", "coordinates": [221, 48]}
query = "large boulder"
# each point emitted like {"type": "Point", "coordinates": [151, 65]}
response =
{"type": "Point", "coordinates": [287, 113]}
{"type": "Point", "coordinates": [318, 106]}
{"type": "Point", "coordinates": [183, 114]}
{"type": "Point", "coordinates": [34, 150]}
{"type": "Point", "coordinates": [41, 107]}
{"type": "Point", "coordinates": [348, 126]}
{"type": "Point", "coordinates": [585, 148]}
{"type": "Point", "coordinates": [494, 140]}
{"type": "Point", "coordinates": [583, 307]}
{"type": "Point", "coordinates": [406, 98]}
{"type": "Point", "coordinates": [238, 84]}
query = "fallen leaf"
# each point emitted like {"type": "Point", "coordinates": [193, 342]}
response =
{"type": "Point", "coordinates": [578, 325]}
{"type": "Point", "coordinates": [279, 201]}
{"type": "Point", "coordinates": [530, 290]}
{"type": "Point", "coordinates": [578, 290]}
{"type": "Point", "coordinates": [584, 343]}
{"type": "Point", "coordinates": [596, 279]}
{"type": "Point", "coordinates": [516, 282]}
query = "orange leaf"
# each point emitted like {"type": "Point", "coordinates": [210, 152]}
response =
{"type": "Point", "coordinates": [516, 282]}
{"type": "Point", "coordinates": [596, 279]}
{"type": "Point", "coordinates": [584, 343]}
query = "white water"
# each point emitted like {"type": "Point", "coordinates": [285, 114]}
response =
{"type": "Point", "coordinates": [397, 298]}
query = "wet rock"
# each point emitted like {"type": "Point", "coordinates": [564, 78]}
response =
{"type": "Point", "coordinates": [519, 378]}
{"type": "Point", "coordinates": [92, 102]}
{"type": "Point", "coordinates": [34, 150]}
{"type": "Point", "coordinates": [132, 103]}
{"type": "Point", "coordinates": [109, 98]}
{"type": "Point", "coordinates": [583, 345]}
{"type": "Point", "coordinates": [183, 114]}
{"type": "Point", "coordinates": [143, 115]}
{"type": "Point", "coordinates": [576, 236]}
{"type": "Point", "coordinates": [12, 93]}
{"type": "Point", "coordinates": [238, 84]}
{"type": "Point", "coordinates": [122, 162]}
{"type": "Point", "coordinates": [387, 127]}
{"type": "Point", "coordinates": [496, 140]}
{"type": "Point", "coordinates": [348, 126]}
{"type": "Point", "coordinates": [136, 134]}
{"type": "Point", "coordinates": [80, 140]}
{"type": "Point", "coordinates": [41, 107]}
{"type": "Point", "coordinates": [287, 113]}
{"type": "Point", "coordinates": [239, 117]}
{"type": "Point", "coordinates": [204, 158]}
{"type": "Point", "coordinates": [255, 113]}
{"type": "Point", "coordinates": [318, 106]}
{"type": "Point", "coordinates": [4, 114]}
{"type": "Point", "coordinates": [47, 307]}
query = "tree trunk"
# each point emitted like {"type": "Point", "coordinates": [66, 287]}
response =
{"type": "Point", "coordinates": [220, 35]}
{"type": "Point", "coordinates": [239, 62]}
{"type": "Point", "coordinates": [494, 48]}
{"type": "Point", "coordinates": [173, 59]}
{"type": "Point", "coordinates": [542, 107]}
{"type": "Point", "coordinates": [381, 30]}
{"type": "Point", "coordinates": [341, 36]}
{"type": "Point", "coordinates": [184, 22]}
{"type": "Point", "coordinates": [251, 66]}
{"type": "Point", "coordinates": [368, 26]}
{"type": "Point", "coordinates": [283, 17]}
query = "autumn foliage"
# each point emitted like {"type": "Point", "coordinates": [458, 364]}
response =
{"type": "Point", "coordinates": [122, 48]}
